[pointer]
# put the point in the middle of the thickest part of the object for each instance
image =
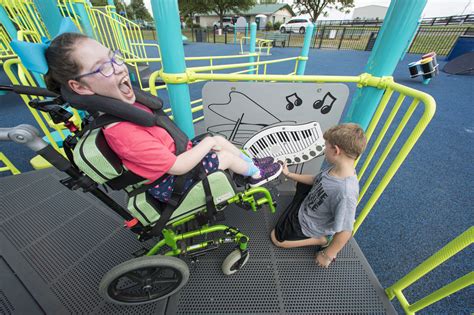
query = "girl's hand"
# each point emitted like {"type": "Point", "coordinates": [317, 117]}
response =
{"type": "Point", "coordinates": [322, 260]}
{"type": "Point", "coordinates": [216, 148]}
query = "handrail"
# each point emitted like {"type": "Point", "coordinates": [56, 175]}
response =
{"type": "Point", "coordinates": [260, 42]}
{"type": "Point", "coordinates": [452, 248]}
{"type": "Point", "coordinates": [386, 83]}
{"type": "Point", "coordinates": [8, 165]}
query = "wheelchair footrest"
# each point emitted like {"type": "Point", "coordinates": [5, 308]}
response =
{"type": "Point", "coordinates": [203, 251]}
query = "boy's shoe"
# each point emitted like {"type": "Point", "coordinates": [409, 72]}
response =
{"type": "Point", "coordinates": [263, 162]}
{"type": "Point", "coordinates": [268, 173]}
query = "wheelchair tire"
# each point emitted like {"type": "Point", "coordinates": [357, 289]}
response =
{"type": "Point", "coordinates": [230, 264]}
{"type": "Point", "coordinates": [144, 280]}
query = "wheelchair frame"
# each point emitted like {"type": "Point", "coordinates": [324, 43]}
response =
{"type": "Point", "coordinates": [148, 263]}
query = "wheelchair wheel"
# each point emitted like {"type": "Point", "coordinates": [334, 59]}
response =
{"type": "Point", "coordinates": [144, 280]}
{"type": "Point", "coordinates": [234, 262]}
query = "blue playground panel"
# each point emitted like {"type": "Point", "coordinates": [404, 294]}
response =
{"type": "Point", "coordinates": [463, 45]}
{"type": "Point", "coordinates": [427, 204]}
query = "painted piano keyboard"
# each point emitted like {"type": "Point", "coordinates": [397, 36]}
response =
{"type": "Point", "coordinates": [294, 144]}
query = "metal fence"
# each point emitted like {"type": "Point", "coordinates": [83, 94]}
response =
{"type": "Point", "coordinates": [428, 38]}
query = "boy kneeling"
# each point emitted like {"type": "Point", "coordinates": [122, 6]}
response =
{"type": "Point", "coordinates": [325, 216]}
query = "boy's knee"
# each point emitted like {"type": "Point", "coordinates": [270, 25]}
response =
{"type": "Point", "coordinates": [275, 241]}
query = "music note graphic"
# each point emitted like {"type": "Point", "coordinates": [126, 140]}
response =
{"type": "Point", "coordinates": [327, 107]}
{"type": "Point", "coordinates": [293, 100]}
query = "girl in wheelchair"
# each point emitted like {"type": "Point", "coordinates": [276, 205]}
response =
{"type": "Point", "coordinates": [86, 67]}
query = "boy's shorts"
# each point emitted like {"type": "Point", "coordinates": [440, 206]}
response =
{"type": "Point", "coordinates": [163, 190]}
{"type": "Point", "coordinates": [288, 227]}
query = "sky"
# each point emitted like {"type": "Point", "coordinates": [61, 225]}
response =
{"type": "Point", "coordinates": [433, 7]}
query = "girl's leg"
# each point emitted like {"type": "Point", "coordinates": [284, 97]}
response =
{"type": "Point", "coordinates": [227, 145]}
{"type": "Point", "coordinates": [228, 160]}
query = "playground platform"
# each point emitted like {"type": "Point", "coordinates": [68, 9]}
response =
{"type": "Point", "coordinates": [55, 250]}
{"type": "Point", "coordinates": [426, 206]}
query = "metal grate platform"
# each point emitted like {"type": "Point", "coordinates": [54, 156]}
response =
{"type": "Point", "coordinates": [56, 244]}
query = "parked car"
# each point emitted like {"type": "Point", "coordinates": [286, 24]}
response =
{"type": "Point", "coordinates": [228, 23]}
{"type": "Point", "coordinates": [296, 24]}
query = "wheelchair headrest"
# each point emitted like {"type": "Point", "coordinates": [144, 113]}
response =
{"type": "Point", "coordinates": [114, 107]}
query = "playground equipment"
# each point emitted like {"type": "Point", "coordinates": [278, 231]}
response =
{"type": "Point", "coordinates": [426, 67]}
{"type": "Point", "coordinates": [407, 98]}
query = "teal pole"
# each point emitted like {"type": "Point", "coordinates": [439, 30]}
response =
{"type": "Point", "coordinates": [7, 23]}
{"type": "Point", "coordinates": [411, 40]}
{"type": "Point", "coordinates": [112, 4]}
{"type": "Point", "coordinates": [305, 50]}
{"type": "Point", "coordinates": [235, 34]}
{"type": "Point", "coordinates": [172, 53]}
{"type": "Point", "coordinates": [246, 32]}
{"type": "Point", "coordinates": [49, 12]}
{"type": "Point", "coordinates": [398, 27]}
{"type": "Point", "coordinates": [85, 22]}
{"type": "Point", "coordinates": [253, 40]}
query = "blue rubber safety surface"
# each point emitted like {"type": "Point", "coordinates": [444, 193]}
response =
{"type": "Point", "coordinates": [427, 204]}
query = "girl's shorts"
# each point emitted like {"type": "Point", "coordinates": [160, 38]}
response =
{"type": "Point", "coordinates": [162, 191]}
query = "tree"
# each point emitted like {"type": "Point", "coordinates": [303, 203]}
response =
{"type": "Point", "coordinates": [317, 7]}
{"type": "Point", "coordinates": [140, 12]}
{"type": "Point", "coordinates": [189, 8]}
{"type": "Point", "coordinates": [223, 7]}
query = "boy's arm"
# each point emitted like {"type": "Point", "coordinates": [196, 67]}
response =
{"type": "Point", "coordinates": [326, 256]}
{"type": "Point", "coordinates": [301, 178]}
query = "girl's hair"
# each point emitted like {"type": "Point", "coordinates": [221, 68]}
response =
{"type": "Point", "coordinates": [349, 137]}
{"type": "Point", "coordinates": [62, 67]}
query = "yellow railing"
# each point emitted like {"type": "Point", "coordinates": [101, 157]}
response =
{"type": "Point", "coordinates": [260, 44]}
{"type": "Point", "coordinates": [6, 51]}
{"type": "Point", "coordinates": [455, 246]}
{"type": "Point", "coordinates": [67, 9]}
{"type": "Point", "coordinates": [246, 67]}
{"type": "Point", "coordinates": [22, 77]}
{"type": "Point", "coordinates": [406, 96]}
{"type": "Point", "coordinates": [8, 166]}
{"type": "Point", "coordinates": [24, 15]}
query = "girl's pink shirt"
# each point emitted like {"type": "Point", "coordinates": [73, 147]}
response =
{"type": "Point", "coordinates": [146, 151]}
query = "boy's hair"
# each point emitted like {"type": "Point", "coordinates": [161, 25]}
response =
{"type": "Point", "coordinates": [349, 137]}
{"type": "Point", "coordinates": [61, 65]}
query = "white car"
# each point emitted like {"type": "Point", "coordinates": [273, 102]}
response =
{"type": "Point", "coordinates": [295, 25]}
{"type": "Point", "coordinates": [228, 23]}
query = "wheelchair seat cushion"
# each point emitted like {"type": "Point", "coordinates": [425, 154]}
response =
{"type": "Point", "coordinates": [148, 210]}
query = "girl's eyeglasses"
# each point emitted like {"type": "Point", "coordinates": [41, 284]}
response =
{"type": "Point", "coordinates": [107, 68]}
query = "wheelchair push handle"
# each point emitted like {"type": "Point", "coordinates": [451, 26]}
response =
{"type": "Point", "coordinates": [28, 90]}
{"type": "Point", "coordinates": [24, 134]}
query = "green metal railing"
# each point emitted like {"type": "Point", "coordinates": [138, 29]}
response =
{"type": "Point", "coordinates": [448, 251]}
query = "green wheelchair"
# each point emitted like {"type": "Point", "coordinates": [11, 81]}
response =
{"type": "Point", "coordinates": [157, 272]}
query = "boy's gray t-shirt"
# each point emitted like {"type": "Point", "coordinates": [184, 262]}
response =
{"type": "Point", "coordinates": [330, 205]}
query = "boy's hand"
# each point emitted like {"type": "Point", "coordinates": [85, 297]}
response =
{"type": "Point", "coordinates": [285, 170]}
{"type": "Point", "coordinates": [322, 260]}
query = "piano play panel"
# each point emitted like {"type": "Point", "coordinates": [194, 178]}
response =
{"type": "Point", "coordinates": [285, 119]}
